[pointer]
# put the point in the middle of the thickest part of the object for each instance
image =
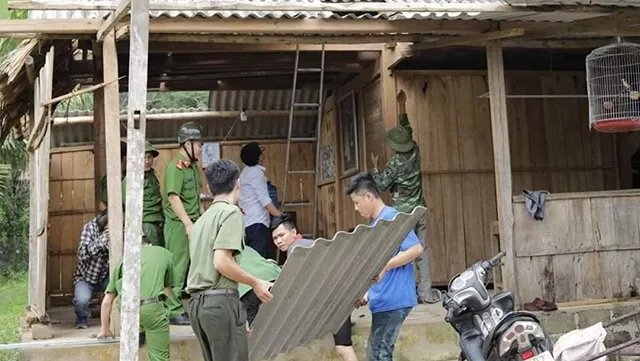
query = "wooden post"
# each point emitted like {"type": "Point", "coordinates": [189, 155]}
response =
{"type": "Point", "coordinates": [39, 197]}
{"type": "Point", "coordinates": [389, 105]}
{"type": "Point", "coordinates": [502, 162]}
{"type": "Point", "coordinates": [136, 127]}
{"type": "Point", "coordinates": [110, 109]}
{"type": "Point", "coordinates": [99, 154]}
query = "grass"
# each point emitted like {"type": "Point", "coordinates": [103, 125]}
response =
{"type": "Point", "coordinates": [13, 300]}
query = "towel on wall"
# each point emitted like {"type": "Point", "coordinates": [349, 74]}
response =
{"type": "Point", "coordinates": [534, 201]}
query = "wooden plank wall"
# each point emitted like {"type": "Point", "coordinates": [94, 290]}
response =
{"type": "Point", "coordinates": [587, 247]}
{"type": "Point", "coordinates": [71, 202]}
{"type": "Point", "coordinates": [551, 149]}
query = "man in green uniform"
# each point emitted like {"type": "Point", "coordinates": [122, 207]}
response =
{"type": "Point", "coordinates": [402, 176]}
{"type": "Point", "coordinates": [156, 277]}
{"type": "Point", "coordinates": [104, 198]}
{"type": "Point", "coordinates": [259, 267]}
{"type": "Point", "coordinates": [182, 186]}
{"type": "Point", "coordinates": [218, 318]}
{"type": "Point", "coordinates": [152, 215]}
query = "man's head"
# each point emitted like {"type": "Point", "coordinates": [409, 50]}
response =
{"type": "Point", "coordinates": [400, 139]}
{"type": "Point", "coordinates": [102, 220]}
{"type": "Point", "coordinates": [223, 178]}
{"type": "Point", "coordinates": [145, 240]}
{"type": "Point", "coordinates": [251, 154]}
{"type": "Point", "coordinates": [190, 139]}
{"type": "Point", "coordinates": [283, 231]}
{"type": "Point", "coordinates": [150, 153]}
{"type": "Point", "coordinates": [365, 194]}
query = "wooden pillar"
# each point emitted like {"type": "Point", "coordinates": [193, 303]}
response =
{"type": "Point", "coordinates": [136, 128]}
{"type": "Point", "coordinates": [110, 108]}
{"type": "Point", "coordinates": [99, 154]}
{"type": "Point", "coordinates": [389, 105]}
{"type": "Point", "coordinates": [39, 195]}
{"type": "Point", "coordinates": [502, 162]}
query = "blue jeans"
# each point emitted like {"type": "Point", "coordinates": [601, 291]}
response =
{"type": "Point", "coordinates": [385, 327]}
{"type": "Point", "coordinates": [82, 292]}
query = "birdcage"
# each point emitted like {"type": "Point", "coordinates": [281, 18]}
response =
{"type": "Point", "coordinates": [613, 86]}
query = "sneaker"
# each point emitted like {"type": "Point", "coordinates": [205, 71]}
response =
{"type": "Point", "coordinates": [81, 323]}
{"type": "Point", "coordinates": [182, 320]}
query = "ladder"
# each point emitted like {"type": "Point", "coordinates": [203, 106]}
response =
{"type": "Point", "coordinates": [295, 106]}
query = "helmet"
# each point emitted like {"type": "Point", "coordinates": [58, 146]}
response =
{"type": "Point", "coordinates": [189, 131]}
{"type": "Point", "coordinates": [149, 148]}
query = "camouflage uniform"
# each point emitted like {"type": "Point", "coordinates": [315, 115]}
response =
{"type": "Point", "coordinates": [402, 176]}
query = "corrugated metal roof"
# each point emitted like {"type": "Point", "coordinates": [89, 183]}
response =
{"type": "Point", "coordinates": [502, 16]}
{"type": "Point", "coordinates": [257, 127]}
{"type": "Point", "coordinates": [318, 286]}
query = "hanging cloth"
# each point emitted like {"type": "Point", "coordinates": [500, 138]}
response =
{"type": "Point", "coordinates": [534, 201]}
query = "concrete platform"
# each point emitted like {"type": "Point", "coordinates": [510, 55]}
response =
{"type": "Point", "coordinates": [424, 337]}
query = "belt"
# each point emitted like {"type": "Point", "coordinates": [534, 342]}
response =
{"type": "Point", "coordinates": [219, 292]}
{"type": "Point", "coordinates": [148, 301]}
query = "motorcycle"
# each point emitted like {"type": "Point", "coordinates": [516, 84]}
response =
{"type": "Point", "coordinates": [489, 327]}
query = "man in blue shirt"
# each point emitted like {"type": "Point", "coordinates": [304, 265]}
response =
{"type": "Point", "coordinates": [392, 298]}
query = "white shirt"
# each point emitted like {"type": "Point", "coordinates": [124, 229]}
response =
{"type": "Point", "coordinates": [254, 196]}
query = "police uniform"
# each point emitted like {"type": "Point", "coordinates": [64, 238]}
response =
{"type": "Point", "coordinates": [152, 214]}
{"type": "Point", "coordinates": [182, 178]}
{"type": "Point", "coordinates": [403, 178]}
{"type": "Point", "coordinates": [156, 273]}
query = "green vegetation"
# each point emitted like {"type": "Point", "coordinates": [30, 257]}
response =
{"type": "Point", "coordinates": [13, 298]}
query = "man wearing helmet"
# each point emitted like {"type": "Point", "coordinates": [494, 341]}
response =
{"type": "Point", "coordinates": [182, 186]}
{"type": "Point", "coordinates": [403, 178]}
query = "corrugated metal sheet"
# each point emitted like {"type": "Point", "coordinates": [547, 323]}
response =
{"type": "Point", "coordinates": [259, 127]}
{"type": "Point", "coordinates": [318, 286]}
{"type": "Point", "coordinates": [515, 16]}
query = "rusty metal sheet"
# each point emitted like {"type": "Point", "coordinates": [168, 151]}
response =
{"type": "Point", "coordinates": [319, 286]}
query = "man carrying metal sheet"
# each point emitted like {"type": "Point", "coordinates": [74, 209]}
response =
{"type": "Point", "coordinates": [156, 281]}
{"type": "Point", "coordinates": [261, 268]}
{"type": "Point", "coordinates": [393, 297]}
{"type": "Point", "coordinates": [287, 238]}
{"type": "Point", "coordinates": [402, 176]}
{"type": "Point", "coordinates": [218, 318]}
{"type": "Point", "coordinates": [182, 208]}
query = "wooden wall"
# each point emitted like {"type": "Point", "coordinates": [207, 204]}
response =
{"type": "Point", "coordinates": [71, 202]}
{"type": "Point", "coordinates": [587, 247]}
{"type": "Point", "coordinates": [551, 149]}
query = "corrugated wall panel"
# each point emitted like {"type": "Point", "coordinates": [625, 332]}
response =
{"type": "Point", "coordinates": [319, 285]}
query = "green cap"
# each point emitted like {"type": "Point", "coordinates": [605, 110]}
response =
{"type": "Point", "coordinates": [400, 140]}
{"type": "Point", "coordinates": [149, 148]}
{"type": "Point", "coordinates": [189, 131]}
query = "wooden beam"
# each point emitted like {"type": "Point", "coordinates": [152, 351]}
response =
{"type": "Point", "coordinates": [363, 79]}
{"type": "Point", "coordinates": [502, 162]}
{"type": "Point", "coordinates": [282, 43]}
{"type": "Point", "coordinates": [468, 40]}
{"type": "Point", "coordinates": [388, 95]}
{"type": "Point", "coordinates": [618, 21]}
{"type": "Point", "coordinates": [136, 129]}
{"type": "Point", "coordinates": [114, 18]}
{"type": "Point", "coordinates": [402, 51]}
{"type": "Point", "coordinates": [99, 145]}
{"type": "Point", "coordinates": [431, 7]}
{"type": "Point", "coordinates": [79, 92]}
{"type": "Point", "coordinates": [46, 26]}
{"type": "Point", "coordinates": [111, 110]}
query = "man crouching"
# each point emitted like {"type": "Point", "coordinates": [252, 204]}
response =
{"type": "Point", "coordinates": [156, 277]}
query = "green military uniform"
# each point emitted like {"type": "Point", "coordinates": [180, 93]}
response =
{"type": "Point", "coordinates": [156, 273]}
{"type": "Point", "coordinates": [182, 177]}
{"type": "Point", "coordinates": [152, 215]}
{"type": "Point", "coordinates": [402, 176]}
{"type": "Point", "coordinates": [218, 320]}
{"type": "Point", "coordinates": [259, 267]}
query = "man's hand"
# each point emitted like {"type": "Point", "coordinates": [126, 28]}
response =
{"type": "Point", "coordinates": [188, 228]}
{"type": "Point", "coordinates": [363, 301]}
{"type": "Point", "coordinates": [374, 160]}
{"type": "Point", "coordinates": [261, 289]}
{"type": "Point", "coordinates": [379, 276]}
{"type": "Point", "coordinates": [249, 330]}
{"type": "Point", "coordinates": [105, 334]}
{"type": "Point", "coordinates": [105, 232]}
{"type": "Point", "coordinates": [401, 97]}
